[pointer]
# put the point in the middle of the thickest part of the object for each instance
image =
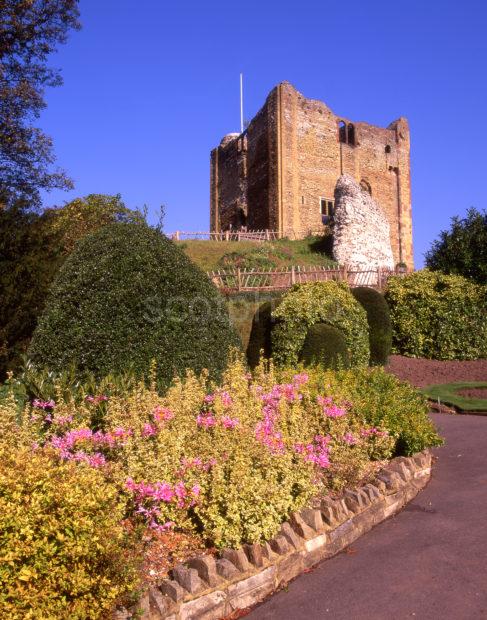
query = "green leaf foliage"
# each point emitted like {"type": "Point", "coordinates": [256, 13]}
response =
{"type": "Point", "coordinates": [383, 401]}
{"type": "Point", "coordinates": [378, 318]}
{"type": "Point", "coordinates": [438, 316]}
{"type": "Point", "coordinates": [126, 296]}
{"type": "Point", "coordinates": [325, 345]}
{"type": "Point", "coordinates": [319, 302]}
{"type": "Point", "coordinates": [64, 552]}
{"type": "Point", "coordinates": [462, 250]}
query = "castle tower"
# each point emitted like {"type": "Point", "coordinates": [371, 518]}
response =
{"type": "Point", "coordinates": [280, 173]}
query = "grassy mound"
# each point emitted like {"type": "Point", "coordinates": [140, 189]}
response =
{"type": "Point", "coordinates": [214, 255]}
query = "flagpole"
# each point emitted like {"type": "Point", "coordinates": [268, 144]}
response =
{"type": "Point", "coordinates": [241, 104]}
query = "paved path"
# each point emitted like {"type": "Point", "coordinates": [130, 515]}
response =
{"type": "Point", "coordinates": [428, 562]}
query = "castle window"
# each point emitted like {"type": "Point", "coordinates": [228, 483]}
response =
{"type": "Point", "coordinates": [351, 135]}
{"type": "Point", "coordinates": [346, 133]}
{"type": "Point", "coordinates": [327, 209]}
{"type": "Point", "coordinates": [366, 186]}
{"type": "Point", "coordinates": [388, 148]}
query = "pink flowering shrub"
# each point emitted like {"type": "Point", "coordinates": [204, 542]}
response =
{"type": "Point", "coordinates": [229, 462]}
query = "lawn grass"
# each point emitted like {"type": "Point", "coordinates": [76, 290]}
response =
{"type": "Point", "coordinates": [447, 393]}
{"type": "Point", "coordinates": [214, 255]}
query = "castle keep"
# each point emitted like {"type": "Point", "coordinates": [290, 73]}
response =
{"type": "Point", "coordinates": [280, 173]}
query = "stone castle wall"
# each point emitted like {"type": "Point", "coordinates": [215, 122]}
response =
{"type": "Point", "coordinates": [294, 157]}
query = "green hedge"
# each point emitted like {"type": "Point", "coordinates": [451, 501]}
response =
{"type": "Point", "coordinates": [319, 302]}
{"type": "Point", "coordinates": [126, 296]}
{"type": "Point", "coordinates": [378, 318]}
{"type": "Point", "coordinates": [438, 316]}
{"type": "Point", "coordinates": [325, 345]}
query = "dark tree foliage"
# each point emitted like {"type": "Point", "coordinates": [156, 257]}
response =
{"type": "Point", "coordinates": [463, 249]}
{"type": "Point", "coordinates": [30, 31]}
{"type": "Point", "coordinates": [32, 249]}
{"type": "Point", "coordinates": [379, 320]}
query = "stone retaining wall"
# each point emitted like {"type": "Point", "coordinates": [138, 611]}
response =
{"type": "Point", "coordinates": [209, 588]}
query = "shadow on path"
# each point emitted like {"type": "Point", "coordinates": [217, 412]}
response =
{"type": "Point", "coordinates": [428, 562]}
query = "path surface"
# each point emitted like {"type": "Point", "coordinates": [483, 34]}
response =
{"type": "Point", "coordinates": [428, 562]}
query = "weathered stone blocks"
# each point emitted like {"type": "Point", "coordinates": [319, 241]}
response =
{"type": "Point", "coordinates": [209, 589]}
{"type": "Point", "coordinates": [361, 237]}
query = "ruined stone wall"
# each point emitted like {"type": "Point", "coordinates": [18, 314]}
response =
{"type": "Point", "coordinates": [313, 159]}
{"type": "Point", "coordinates": [228, 183]}
{"type": "Point", "coordinates": [294, 157]}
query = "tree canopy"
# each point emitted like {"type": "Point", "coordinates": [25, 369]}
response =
{"type": "Point", "coordinates": [462, 250]}
{"type": "Point", "coordinates": [30, 31]}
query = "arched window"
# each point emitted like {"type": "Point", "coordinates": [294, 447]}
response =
{"type": "Point", "coordinates": [342, 132]}
{"type": "Point", "coordinates": [366, 186]}
{"type": "Point", "coordinates": [351, 135]}
{"type": "Point", "coordinates": [388, 148]}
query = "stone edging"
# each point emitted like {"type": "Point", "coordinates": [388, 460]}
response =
{"type": "Point", "coordinates": [206, 588]}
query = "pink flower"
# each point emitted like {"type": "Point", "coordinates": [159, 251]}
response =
{"type": "Point", "coordinates": [301, 378]}
{"type": "Point", "coordinates": [228, 422]}
{"type": "Point", "coordinates": [205, 421]}
{"type": "Point", "coordinates": [162, 414]}
{"type": "Point", "coordinates": [349, 439]}
{"type": "Point", "coordinates": [226, 399]}
{"type": "Point", "coordinates": [148, 430]}
{"type": "Point", "coordinates": [43, 404]}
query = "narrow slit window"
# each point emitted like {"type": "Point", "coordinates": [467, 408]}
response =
{"type": "Point", "coordinates": [327, 209]}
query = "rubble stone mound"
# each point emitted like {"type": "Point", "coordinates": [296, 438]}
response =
{"type": "Point", "coordinates": [361, 236]}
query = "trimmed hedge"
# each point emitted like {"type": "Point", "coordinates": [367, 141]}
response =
{"type": "Point", "coordinates": [325, 345]}
{"type": "Point", "coordinates": [378, 318]}
{"type": "Point", "coordinates": [319, 302]}
{"type": "Point", "coordinates": [438, 316]}
{"type": "Point", "coordinates": [127, 295]}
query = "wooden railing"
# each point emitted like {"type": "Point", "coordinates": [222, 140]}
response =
{"type": "Point", "coordinates": [228, 235]}
{"type": "Point", "coordinates": [276, 279]}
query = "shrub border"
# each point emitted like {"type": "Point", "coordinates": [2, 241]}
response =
{"type": "Point", "coordinates": [213, 589]}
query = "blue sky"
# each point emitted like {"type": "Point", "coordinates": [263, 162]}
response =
{"type": "Point", "coordinates": [151, 86]}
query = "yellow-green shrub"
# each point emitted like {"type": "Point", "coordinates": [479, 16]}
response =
{"type": "Point", "coordinates": [330, 303]}
{"type": "Point", "coordinates": [63, 550]}
{"type": "Point", "coordinates": [438, 316]}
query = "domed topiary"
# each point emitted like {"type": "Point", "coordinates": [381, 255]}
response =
{"type": "Point", "coordinates": [380, 329]}
{"type": "Point", "coordinates": [127, 295]}
{"type": "Point", "coordinates": [325, 345]}
{"type": "Point", "coordinates": [319, 302]}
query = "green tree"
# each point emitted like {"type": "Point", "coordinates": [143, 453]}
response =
{"type": "Point", "coordinates": [30, 31]}
{"type": "Point", "coordinates": [32, 249]}
{"type": "Point", "coordinates": [463, 249]}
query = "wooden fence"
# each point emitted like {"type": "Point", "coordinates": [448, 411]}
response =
{"type": "Point", "coordinates": [227, 235]}
{"type": "Point", "coordinates": [276, 279]}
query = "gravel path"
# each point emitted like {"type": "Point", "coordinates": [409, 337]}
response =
{"type": "Point", "coordinates": [421, 372]}
{"type": "Point", "coordinates": [428, 562]}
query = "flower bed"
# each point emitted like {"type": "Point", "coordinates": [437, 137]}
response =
{"type": "Point", "coordinates": [218, 466]}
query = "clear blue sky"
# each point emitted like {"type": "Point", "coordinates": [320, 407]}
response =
{"type": "Point", "coordinates": [151, 86]}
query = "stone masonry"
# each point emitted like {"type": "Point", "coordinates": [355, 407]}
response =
{"type": "Point", "coordinates": [283, 168]}
{"type": "Point", "coordinates": [361, 234]}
